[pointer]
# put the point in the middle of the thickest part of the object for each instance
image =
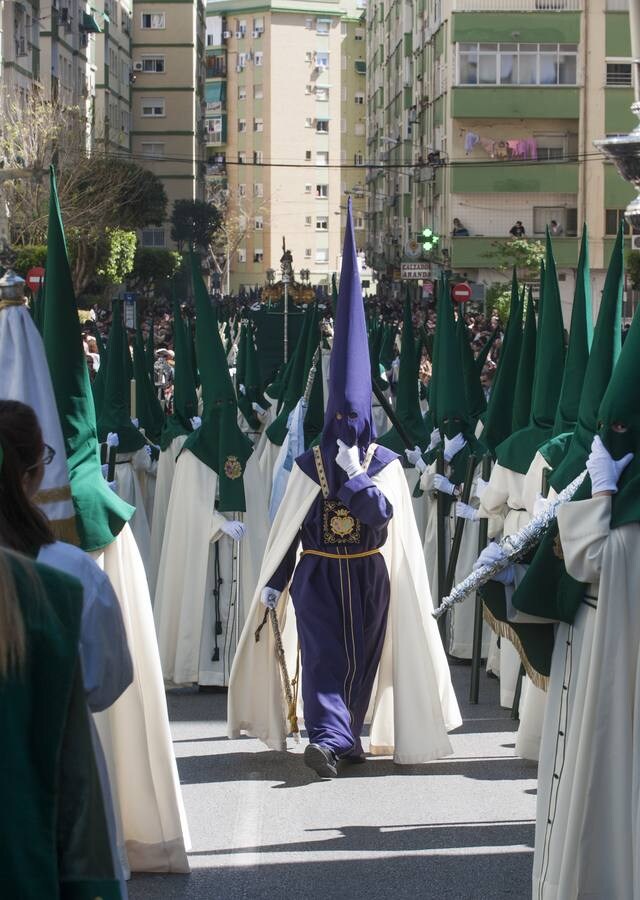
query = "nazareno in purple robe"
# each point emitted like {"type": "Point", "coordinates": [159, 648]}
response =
{"type": "Point", "coordinates": [341, 605]}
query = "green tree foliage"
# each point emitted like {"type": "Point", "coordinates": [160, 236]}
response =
{"type": "Point", "coordinates": [194, 223]}
{"type": "Point", "coordinates": [633, 269]}
{"type": "Point", "coordinates": [28, 256]}
{"type": "Point", "coordinates": [119, 255]}
{"type": "Point", "coordinates": [153, 268]}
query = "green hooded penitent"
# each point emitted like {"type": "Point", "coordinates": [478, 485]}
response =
{"type": "Point", "coordinates": [517, 452]}
{"type": "Point", "coordinates": [149, 352]}
{"type": "Point", "coordinates": [387, 347]}
{"type": "Point", "coordinates": [407, 400]}
{"type": "Point", "coordinates": [526, 368]}
{"type": "Point", "coordinates": [497, 420]}
{"type": "Point", "coordinates": [185, 398]}
{"type": "Point", "coordinates": [149, 413]}
{"type": "Point", "coordinates": [219, 442]}
{"type": "Point", "coordinates": [314, 416]}
{"type": "Point", "coordinates": [115, 414]}
{"type": "Point", "coordinates": [475, 399]}
{"type": "Point", "coordinates": [293, 382]}
{"type": "Point", "coordinates": [100, 513]}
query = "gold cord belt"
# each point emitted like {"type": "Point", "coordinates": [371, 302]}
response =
{"type": "Point", "coordinates": [341, 555]}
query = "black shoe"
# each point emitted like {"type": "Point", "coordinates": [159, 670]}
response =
{"type": "Point", "coordinates": [354, 759]}
{"type": "Point", "coordinates": [322, 760]}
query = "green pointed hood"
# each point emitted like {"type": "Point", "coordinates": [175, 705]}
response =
{"type": "Point", "coordinates": [148, 410]}
{"type": "Point", "coordinates": [185, 398]}
{"type": "Point", "coordinates": [314, 416]}
{"type": "Point", "coordinates": [219, 442]}
{"type": "Point", "coordinates": [580, 338]}
{"type": "Point", "coordinates": [497, 420]}
{"type": "Point", "coordinates": [190, 331]}
{"type": "Point", "coordinates": [150, 352]}
{"type": "Point", "coordinates": [100, 513]}
{"type": "Point", "coordinates": [475, 400]}
{"type": "Point", "coordinates": [407, 400]}
{"type": "Point", "coordinates": [115, 413]}
{"type": "Point", "coordinates": [98, 383]}
{"type": "Point", "coordinates": [387, 348]}
{"type": "Point", "coordinates": [293, 383]}
{"type": "Point", "coordinates": [481, 358]}
{"type": "Point", "coordinates": [517, 452]}
{"type": "Point", "coordinates": [248, 375]}
{"type": "Point", "coordinates": [451, 401]}
{"type": "Point", "coordinates": [526, 368]}
{"type": "Point", "coordinates": [605, 350]}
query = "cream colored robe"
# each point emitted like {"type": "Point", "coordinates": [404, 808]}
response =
{"type": "Point", "coordinates": [591, 848]}
{"type": "Point", "coordinates": [129, 489]}
{"type": "Point", "coordinates": [135, 734]}
{"type": "Point", "coordinates": [186, 578]}
{"type": "Point", "coordinates": [164, 480]}
{"type": "Point", "coordinates": [414, 704]}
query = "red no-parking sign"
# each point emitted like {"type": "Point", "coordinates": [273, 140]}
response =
{"type": "Point", "coordinates": [461, 292]}
{"type": "Point", "coordinates": [35, 279]}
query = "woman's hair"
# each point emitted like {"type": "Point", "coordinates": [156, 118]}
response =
{"type": "Point", "coordinates": [22, 526]}
{"type": "Point", "coordinates": [13, 640]}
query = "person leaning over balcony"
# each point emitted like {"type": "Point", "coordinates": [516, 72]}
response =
{"type": "Point", "coordinates": [555, 228]}
{"type": "Point", "coordinates": [459, 230]}
{"type": "Point", "coordinates": [517, 230]}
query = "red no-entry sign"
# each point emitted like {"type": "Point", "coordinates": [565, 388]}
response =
{"type": "Point", "coordinates": [35, 279]}
{"type": "Point", "coordinates": [461, 292]}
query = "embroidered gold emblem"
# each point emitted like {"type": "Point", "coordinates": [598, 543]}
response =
{"type": "Point", "coordinates": [340, 527]}
{"type": "Point", "coordinates": [342, 523]}
{"type": "Point", "coordinates": [232, 467]}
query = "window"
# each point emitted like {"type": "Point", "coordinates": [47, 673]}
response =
{"type": "Point", "coordinates": [258, 190]}
{"type": "Point", "coordinates": [323, 26]}
{"type": "Point", "coordinates": [359, 34]}
{"type": "Point", "coordinates": [522, 64]}
{"type": "Point", "coordinates": [242, 255]}
{"type": "Point", "coordinates": [241, 28]}
{"type": "Point", "coordinates": [153, 64]}
{"type": "Point", "coordinates": [153, 237]}
{"type": "Point", "coordinates": [618, 73]}
{"type": "Point", "coordinates": [242, 125]}
{"type": "Point", "coordinates": [258, 256]}
{"type": "Point", "coordinates": [152, 20]}
{"type": "Point", "coordinates": [153, 107]}
{"type": "Point", "coordinates": [567, 219]}
{"type": "Point", "coordinates": [242, 92]}
{"type": "Point", "coordinates": [308, 22]}
{"type": "Point", "coordinates": [307, 221]}
{"type": "Point", "coordinates": [257, 57]}
{"type": "Point", "coordinates": [322, 94]}
{"type": "Point", "coordinates": [612, 220]}
{"type": "Point", "coordinates": [258, 124]}
{"type": "Point", "coordinates": [307, 154]}
{"type": "Point", "coordinates": [258, 92]}
{"type": "Point", "coordinates": [242, 190]}
{"type": "Point", "coordinates": [322, 157]}
{"type": "Point", "coordinates": [359, 129]}
{"type": "Point", "coordinates": [361, 67]}
{"type": "Point", "coordinates": [322, 223]}
{"type": "Point", "coordinates": [322, 255]}
{"type": "Point", "coordinates": [258, 157]}
{"type": "Point", "coordinates": [322, 126]}
{"type": "Point", "coordinates": [358, 159]}
{"type": "Point", "coordinates": [358, 221]}
{"type": "Point", "coordinates": [258, 223]}
{"type": "Point", "coordinates": [258, 26]}
{"type": "Point", "coordinates": [242, 157]}
{"type": "Point", "coordinates": [359, 99]}
{"type": "Point", "coordinates": [307, 188]}
{"type": "Point", "coordinates": [322, 60]}
{"type": "Point", "coordinates": [322, 191]}
{"type": "Point", "coordinates": [152, 150]}
{"type": "Point", "coordinates": [307, 253]}
{"type": "Point", "coordinates": [556, 146]}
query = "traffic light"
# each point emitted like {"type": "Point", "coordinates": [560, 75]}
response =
{"type": "Point", "coordinates": [429, 240]}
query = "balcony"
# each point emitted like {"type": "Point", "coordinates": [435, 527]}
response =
{"type": "Point", "coordinates": [553, 177]}
{"type": "Point", "coordinates": [520, 5]}
{"type": "Point", "coordinates": [502, 102]}
{"type": "Point", "coordinates": [476, 252]}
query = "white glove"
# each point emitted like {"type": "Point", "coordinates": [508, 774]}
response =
{"type": "Point", "coordinates": [436, 438]}
{"type": "Point", "coordinates": [242, 389]}
{"type": "Point", "coordinates": [481, 486]}
{"type": "Point", "coordinates": [105, 470]}
{"type": "Point", "coordinates": [196, 422]}
{"type": "Point", "coordinates": [112, 439]}
{"type": "Point", "coordinates": [465, 511]}
{"type": "Point", "coordinates": [540, 505]}
{"type": "Point", "coordinates": [113, 486]}
{"type": "Point", "coordinates": [453, 446]}
{"type": "Point", "coordinates": [415, 458]}
{"type": "Point", "coordinates": [235, 530]}
{"type": "Point", "coordinates": [348, 458]}
{"type": "Point", "coordinates": [135, 423]}
{"type": "Point", "coordinates": [605, 471]}
{"type": "Point", "coordinates": [259, 411]}
{"type": "Point", "coordinates": [148, 450]}
{"type": "Point", "coordinates": [490, 555]}
{"type": "Point", "coordinates": [269, 597]}
{"type": "Point", "coordinates": [443, 484]}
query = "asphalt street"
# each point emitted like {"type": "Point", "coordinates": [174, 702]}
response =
{"type": "Point", "coordinates": [263, 826]}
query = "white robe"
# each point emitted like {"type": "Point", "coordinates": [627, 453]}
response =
{"type": "Point", "coordinates": [164, 480]}
{"type": "Point", "coordinates": [128, 488]}
{"type": "Point", "coordinates": [591, 847]}
{"type": "Point", "coordinates": [414, 704]}
{"type": "Point", "coordinates": [184, 603]}
{"type": "Point", "coordinates": [135, 733]}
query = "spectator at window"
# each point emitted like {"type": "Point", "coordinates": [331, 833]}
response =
{"type": "Point", "coordinates": [459, 230]}
{"type": "Point", "coordinates": [555, 228]}
{"type": "Point", "coordinates": [517, 230]}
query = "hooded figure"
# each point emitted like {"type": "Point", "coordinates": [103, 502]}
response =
{"type": "Point", "coordinates": [200, 607]}
{"type": "Point", "coordinates": [347, 504]}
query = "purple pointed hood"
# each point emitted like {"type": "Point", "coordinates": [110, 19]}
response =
{"type": "Point", "coordinates": [348, 415]}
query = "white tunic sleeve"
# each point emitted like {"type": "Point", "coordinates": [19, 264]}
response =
{"type": "Point", "coordinates": [584, 527]}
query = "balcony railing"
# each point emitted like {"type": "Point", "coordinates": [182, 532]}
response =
{"type": "Point", "coordinates": [617, 5]}
{"type": "Point", "coordinates": [521, 5]}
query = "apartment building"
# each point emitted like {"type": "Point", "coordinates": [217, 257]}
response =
{"type": "Point", "coordinates": [114, 77]}
{"type": "Point", "coordinates": [485, 111]}
{"type": "Point", "coordinates": [285, 130]}
{"type": "Point", "coordinates": [167, 133]}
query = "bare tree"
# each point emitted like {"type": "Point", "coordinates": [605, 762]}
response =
{"type": "Point", "coordinates": [238, 222]}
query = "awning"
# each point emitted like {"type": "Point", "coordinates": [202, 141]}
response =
{"type": "Point", "coordinates": [89, 24]}
{"type": "Point", "coordinates": [215, 91]}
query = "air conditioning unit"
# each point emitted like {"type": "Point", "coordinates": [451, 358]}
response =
{"type": "Point", "coordinates": [239, 34]}
{"type": "Point", "coordinates": [226, 35]}
{"type": "Point", "coordinates": [239, 68]}
{"type": "Point", "coordinates": [635, 241]}
{"type": "Point", "coordinates": [137, 67]}
{"type": "Point", "coordinates": [257, 33]}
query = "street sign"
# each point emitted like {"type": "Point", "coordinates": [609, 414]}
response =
{"type": "Point", "coordinates": [35, 279]}
{"type": "Point", "coordinates": [416, 271]}
{"type": "Point", "coordinates": [461, 292]}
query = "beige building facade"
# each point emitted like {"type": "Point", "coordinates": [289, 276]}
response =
{"type": "Point", "coordinates": [285, 131]}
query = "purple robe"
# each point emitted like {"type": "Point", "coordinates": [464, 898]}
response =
{"type": "Point", "coordinates": [341, 605]}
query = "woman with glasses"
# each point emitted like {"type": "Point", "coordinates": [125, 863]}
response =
{"type": "Point", "coordinates": [106, 663]}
